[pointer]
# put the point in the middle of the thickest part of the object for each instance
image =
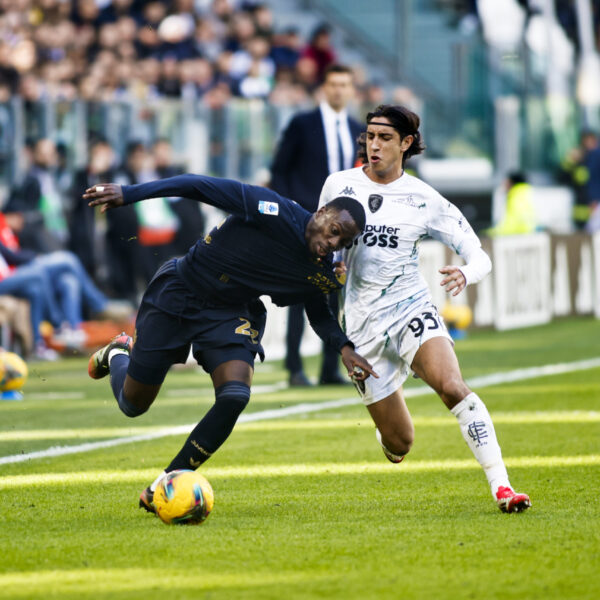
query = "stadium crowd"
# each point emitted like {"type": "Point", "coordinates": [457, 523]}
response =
{"type": "Point", "coordinates": [104, 256]}
{"type": "Point", "coordinates": [207, 51]}
{"type": "Point", "coordinates": [108, 50]}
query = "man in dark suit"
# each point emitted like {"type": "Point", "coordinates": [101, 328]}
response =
{"type": "Point", "coordinates": [315, 144]}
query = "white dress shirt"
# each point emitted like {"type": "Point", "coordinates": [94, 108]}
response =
{"type": "Point", "coordinates": [330, 121]}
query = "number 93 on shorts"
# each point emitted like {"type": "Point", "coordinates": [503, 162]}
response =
{"type": "Point", "coordinates": [392, 352]}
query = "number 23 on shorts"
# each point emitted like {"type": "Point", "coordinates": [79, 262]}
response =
{"type": "Point", "coordinates": [246, 329]}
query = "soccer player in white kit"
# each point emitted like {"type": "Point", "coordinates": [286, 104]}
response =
{"type": "Point", "coordinates": [386, 307]}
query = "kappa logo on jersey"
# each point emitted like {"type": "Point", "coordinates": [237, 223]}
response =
{"type": "Point", "coordinates": [347, 191]}
{"type": "Point", "coordinates": [268, 208]}
{"type": "Point", "coordinates": [375, 202]}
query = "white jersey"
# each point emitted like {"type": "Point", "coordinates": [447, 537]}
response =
{"type": "Point", "coordinates": [383, 278]}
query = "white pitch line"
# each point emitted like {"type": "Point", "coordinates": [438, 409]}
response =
{"type": "Point", "coordinates": [297, 409]}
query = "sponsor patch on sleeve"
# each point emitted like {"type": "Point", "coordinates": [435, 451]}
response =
{"type": "Point", "coordinates": [268, 208]}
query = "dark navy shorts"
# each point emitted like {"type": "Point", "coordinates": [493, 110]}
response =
{"type": "Point", "coordinates": [172, 319]}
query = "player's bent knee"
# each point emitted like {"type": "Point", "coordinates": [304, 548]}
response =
{"type": "Point", "coordinates": [131, 409]}
{"type": "Point", "coordinates": [403, 446]}
{"type": "Point", "coordinates": [453, 390]}
{"type": "Point", "coordinates": [399, 443]}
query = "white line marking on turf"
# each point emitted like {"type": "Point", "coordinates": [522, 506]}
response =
{"type": "Point", "coordinates": [297, 409]}
{"type": "Point", "coordinates": [262, 415]}
{"type": "Point", "coordinates": [56, 396]}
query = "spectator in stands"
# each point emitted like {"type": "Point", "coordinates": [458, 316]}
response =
{"type": "Point", "coordinates": [519, 216]}
{"type": "Point", "coordinates": [82, 225]}
{"type": "Point", "coordinates": [197, 77]}
{"type": "Point", "coordinates": [156, 221]}
{"type": "Point", "coordinates": [31, 285]}
{"type": "Point", "coordinates": [207, 40]}
{"type": "Point", "coordinates": [149, 81]}
{"type": "Point", "coordinates": [582, 166]}
{"type": "Point", "coordinates": [59, 277]}
{"type": "Point", "coordinates": [9, 76]}
{"type": "Point", "coordinates": [176, 32]}
{"type": "Point", "coordinates": [94, 50]}
{"type": "Point", "coordinates": [240, 30]}
{"type": "Point", "coordinates": [39, 203]}
{"type": "Point", "coordinates": [320, 50]}
{"type": "Point", "coordinates": [285, 49]}
{"type": "Point", "coordinates": [315, 144]}
{"type": "Point", "coordinates": [169, 84]}
{"type": "Point", "coordinates": [307, 73]}
{"type": "Point", "coordinates": [189, 213]}
{"type": "Point", "coordinates": [122, 246]}
{"type": "Point", "coordinates": [115, 9]}
{"type": "Point", "coordinates": [63, 175]}
{"type": "Point", "coordinates": [263, 19]}
{"type": "Point", "coordinates": [591, 160]}
{"type": "Point", "coordinates": [15, 314]}
{"type": "Point", "coordinates": [255, 77]}
{"type": "Point", "coordinates": [287, 91]}
{"type": "Point", "coordinates": [148, 40]}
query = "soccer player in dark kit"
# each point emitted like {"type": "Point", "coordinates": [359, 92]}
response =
{"type": "Point", "coordinates": [209, 299]}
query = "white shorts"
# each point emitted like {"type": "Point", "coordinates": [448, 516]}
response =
{"type": "Point", "coordinates": [391, 354]}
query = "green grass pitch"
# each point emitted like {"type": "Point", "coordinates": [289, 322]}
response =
{"type": "Point", "coordinates": [306, 506]}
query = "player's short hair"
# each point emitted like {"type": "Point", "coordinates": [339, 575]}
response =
{"type": "Point", "coordinates": [354, 207]}
{"type": "Point", "coordinates": [403, 120]}
{"type": "Point", "coordinates": [337, 68]}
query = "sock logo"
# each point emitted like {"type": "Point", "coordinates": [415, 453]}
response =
{"type": "Point", "coordinates": [200, 449]}
{"type": "Point", "coordinates": [477, 431]}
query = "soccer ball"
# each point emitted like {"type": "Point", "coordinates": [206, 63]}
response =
{"type": "Point", "coordinates": [13, 371]}
{"type": "Point", "coordinates": [183, 497]}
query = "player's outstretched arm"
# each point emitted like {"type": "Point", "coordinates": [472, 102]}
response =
{"type": "Point", "coordinates": [358, 367]}
{"type": "Point", "coordinates": [107, 195]}
{"type": "Point", "coordinates": [228, 195]}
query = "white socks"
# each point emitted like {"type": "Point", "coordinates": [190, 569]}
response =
{"type": "Point", "coordinates": [114, 352]}
{"type": "Point", "coordinates": [478, 430]}
{"type": "Point", "coordinates": [155, 482]}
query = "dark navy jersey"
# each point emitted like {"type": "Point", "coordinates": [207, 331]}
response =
{"type": "Point", "coordinates": [260, 249]}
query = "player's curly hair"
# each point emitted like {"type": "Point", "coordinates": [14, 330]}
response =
{"type": "Point", "coordinates": [354, 207]}
{"type": "Point", "coordinates": [404, 121]}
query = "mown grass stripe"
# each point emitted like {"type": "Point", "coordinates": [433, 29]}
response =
{"type": "Point", "coordinates": [282, 470]}
{"type": "Point", "coordinates": [86, 581]}
{"type": "Point", "coordinates": [305, 408]}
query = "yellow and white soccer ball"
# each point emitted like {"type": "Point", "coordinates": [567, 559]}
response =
{"type": "Point", "coordinates": [13, 371]}
{"type": "Point", "coordinates": [183, 497]}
